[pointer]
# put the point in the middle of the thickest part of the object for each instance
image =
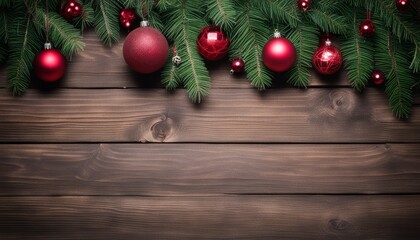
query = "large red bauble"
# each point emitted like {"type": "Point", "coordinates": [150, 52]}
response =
{"type": "Point", "coordinates": [145, 50]}
{"type": "Point", "coordinates": [279, 54]}
{"type": "Point", "coordinates": [49, 65]}
{"type": "Point", "coordinates": [212, 43]}
{"type": "Point", "coordinates": [367, 28]}
{"type": "Point", "coordinates": [327, 60]}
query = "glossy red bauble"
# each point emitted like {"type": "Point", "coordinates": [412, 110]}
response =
{"type": "Point", "coordinates": [70, 9]}
{"type": "Point", "coordinates": [212, 43]}
{"type": "Point", "coordinates": [327, 60]}
{"type": "Point", "coordinates": [237, 65]}
{"type": "Point", "coordinates": [367, 29]}
{"type": "Point", "coordinates": [127, 17]}
{"type": "Point", "coordinates": [303, 5]}
{"type": "Point", "coordinates": [145, 50]}
{"type": "Point", "coordinates": [402, 5]}
{"type": "Point", "coordinates": [378, 77]}
{"type": "Point", "coordinates": [49, 65]}
{"type": "Point", "coordinates": [279, 54]}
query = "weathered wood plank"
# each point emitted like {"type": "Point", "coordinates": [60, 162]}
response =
{"type": "Point", "coordinates": [103, 67]}
{"type": "Point", "coordinates": [244, 217]}
{"type": "Point", "coordinates": [228, 115]}
{"type": "Point", "coordinates": [208, 169]}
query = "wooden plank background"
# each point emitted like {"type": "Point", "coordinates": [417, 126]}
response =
{"type": "Point", "coordinates": [110, 154]}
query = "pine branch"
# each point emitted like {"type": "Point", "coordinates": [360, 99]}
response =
{"type": "Point", "coordinates": [358, 56]}
{"type": "Point", "coordinates": [86, 18]}
{"type": "Point", "coordinates": [23, 44]}
{"type": "Point", "coordinates": [146, 10]}
{"type": "Point", "coordinates": [392, 58]}
{"type": "Point", "coordinates": [5, 3]}
{"type": "Point", "coordinates": [222, 13]}
{"type": "Point", "coordinates": [305, 39]}
{"type": "Point", "coordinates": [163, 5]}
{"type": "Point", "coordinates": [3, 26]}
{"type": "Point", "coordinates": [279, 11]}
{"type": "Point", "coordinates": [329, 22]}
{"type": "Point", "coordinates": [62, 34]}
{"type": "Point", "coordinates": [170, 77]}
{"type": "Point", "coordinates": [183, 23]}
{"type": "Point", "coordinates": [106, 20]}
{"type": "Point", "coordinates": [3, 52]}
{"type": "Point", "coordinates": [249, 37]}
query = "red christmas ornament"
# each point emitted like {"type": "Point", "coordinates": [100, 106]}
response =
{"type": "Point", "coordinates": [327, 59]}
{"type": "Point", "coordinates": [49, 64]}
{"type": "Point", "coordinates": [367, 28]}
{"type": "Point", "coordinates": [378, 77]}
{"type": "Point", "coordinates": [70, 9]}
{"type": "Point", "coordinates": [402, 5]}
{"type": "Point", "coordinates": [127, 17]}
{"type": "Point", "coordinates": [279, 54]}
{"type": "Point", "coordinates": [212, 43]}
{"type": "Point", "coordinates": [237, 66]}
{"type": "Point", "coordinates": [145, 49]}
{"type": "Point", "coordinates": [303, 5]}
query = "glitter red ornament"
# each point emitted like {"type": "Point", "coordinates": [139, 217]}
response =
{"type": "Point", "coordinates": [212, 43]}
{"type": "Point", "coordinates": [377, 77]}
{"type": "Point", "coordinates": [127, 17]}
{"type": "Point", "coordinates": [237, 66]}
{"type": "Point", "coordinates": [367, 29]}
{"type": "Point", "coordinates": [145, 49]}
{"type": "Point", "coordinates": [49, 64]}
{"type": "Point", "coordinates": [303, 5]}
{"type": "Point", "coordinates": [69, 9]}
{"type": "Point", "coordinates": [279, 54]}
{"type": "Point", "coordinates": [402, 5]}
{"type": "Point", "coordinates": [327, 59]}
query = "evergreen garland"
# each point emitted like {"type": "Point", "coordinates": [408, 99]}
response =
{"type": "Point", "coordinates": [395, 49]}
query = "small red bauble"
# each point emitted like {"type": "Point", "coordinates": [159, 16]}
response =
{"type": "Point", "coordinates": [402, 5]}
{"type": "Point", "coordinates": [145, 49]}
{"type": "Point", "coordinates": [303, 5]}
{"type": "Point", "coordinates": [212, 43]}
{"type": "Point", "coordinates": [327, 59]}
{"type": "Point", "coordinates": [49, 65]}
{"type": "Point", "coordinates": [367, 28]}
{"type": "Point", "coordinates": [127, 17]}
{"type": "Point", "coordinates": [70, 9]}
{"type": "Point", "coordinates": [279, 54]}
{"type": "Point", "coordinates": [237, 65]}
{"type": "Point", "coordinates": [378, 77]}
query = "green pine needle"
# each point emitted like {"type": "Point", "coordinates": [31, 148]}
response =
{"type": "Point", "coordinates": [329, 22]}
{"type": "Point", "coordinates": [106, 20]}
{"type": "Point", "coordinates": [222, 13]}
{"type": "Point", "coordinates": [170, 77]}
{"type": "Point", "coordinates": [3, 26]}
{"type": "Point", "coordinates": [358, 56]}
{"type": "Point", "coordinates": [86, 18]}
{"type": "Point", "coordinates": [279, 11]}
{"type": "Point", "coordinates": [3, 52]}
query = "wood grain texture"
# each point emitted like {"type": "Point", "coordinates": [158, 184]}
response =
{"type": "Point", "coordinates": [208, 169]}
{"type": "Point", "coordinates": [235, 217]}
{"type": "Point", "coordinates": [228, 115]}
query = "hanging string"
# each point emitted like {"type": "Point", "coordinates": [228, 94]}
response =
{"type": "Point", "coordinates": [368, 15]}
{"type": "Point", "coordinates": [46, 20]}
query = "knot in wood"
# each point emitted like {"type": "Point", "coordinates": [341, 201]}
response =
{"type": "Point", "coordinates": [339, 225]}
{"type": "Point", "coordinates": [162, 129]}
{"type": "Point", "coordinates": [342, 100]}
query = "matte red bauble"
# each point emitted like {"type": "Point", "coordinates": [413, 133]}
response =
{"type": "Point", "coordinates": [402, 5]}
{"type": "Point", "coordinates": [327, 59]}
{"type": "Point", "coordinates": [70, 9]}
{"type": "Point", "coordinates": [127, 17]}
{"type": "Point", "coordinates": [367, 28]}
{"type": "Point", "coordinates": [145, 49]}
{"type": "Point", "coordinates": [279, 54]}
{"type": "Point", "coordinates": [237, 65]}
{"type": "Point", "coordinates": [378, 77]}
{"type": "Point", "coordinates": [303, 5]}
{"type": "Point", "coordinates": [212, 43]}
{"type": "Point", "coordinates": [49, 65]}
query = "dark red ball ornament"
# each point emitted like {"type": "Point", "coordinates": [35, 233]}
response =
{"type": "Point", "coordinates": [378, 77]}
{"type": "Point", "coordinates": [327, 59]}
{"type": "Point", "coordinates": [279, 54]}
{"type": "Point", "coordinates": [367, 29]}
{"type": "Point", "coordinates": [402, 5]}
{"type": "Point", "coordinates": [303, 5]}
{"type": "Point", "coordinates": [237, 66]}
{"type": "Point", "coordinates": [145, 49]}
{"type": "Point", "coordinates": [70, 9]}
{"type": "Point", "coordinates": [212, 43]}
{"type": "Point", "coordinates": [127, 17]}
{"type": "Point", "coordinates": [49, 64]}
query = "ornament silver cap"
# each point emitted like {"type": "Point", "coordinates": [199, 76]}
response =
{"type": "Point", "coordinates": [144, 23]}
{"type": "Point", "coordinates": [277, 34]}
{"type": "Point", "coordinates": [328, 42]}
{"type": "Point", "coordinates": [176, 60]}
{"type": "Point", "coordinates": [47, 46]}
